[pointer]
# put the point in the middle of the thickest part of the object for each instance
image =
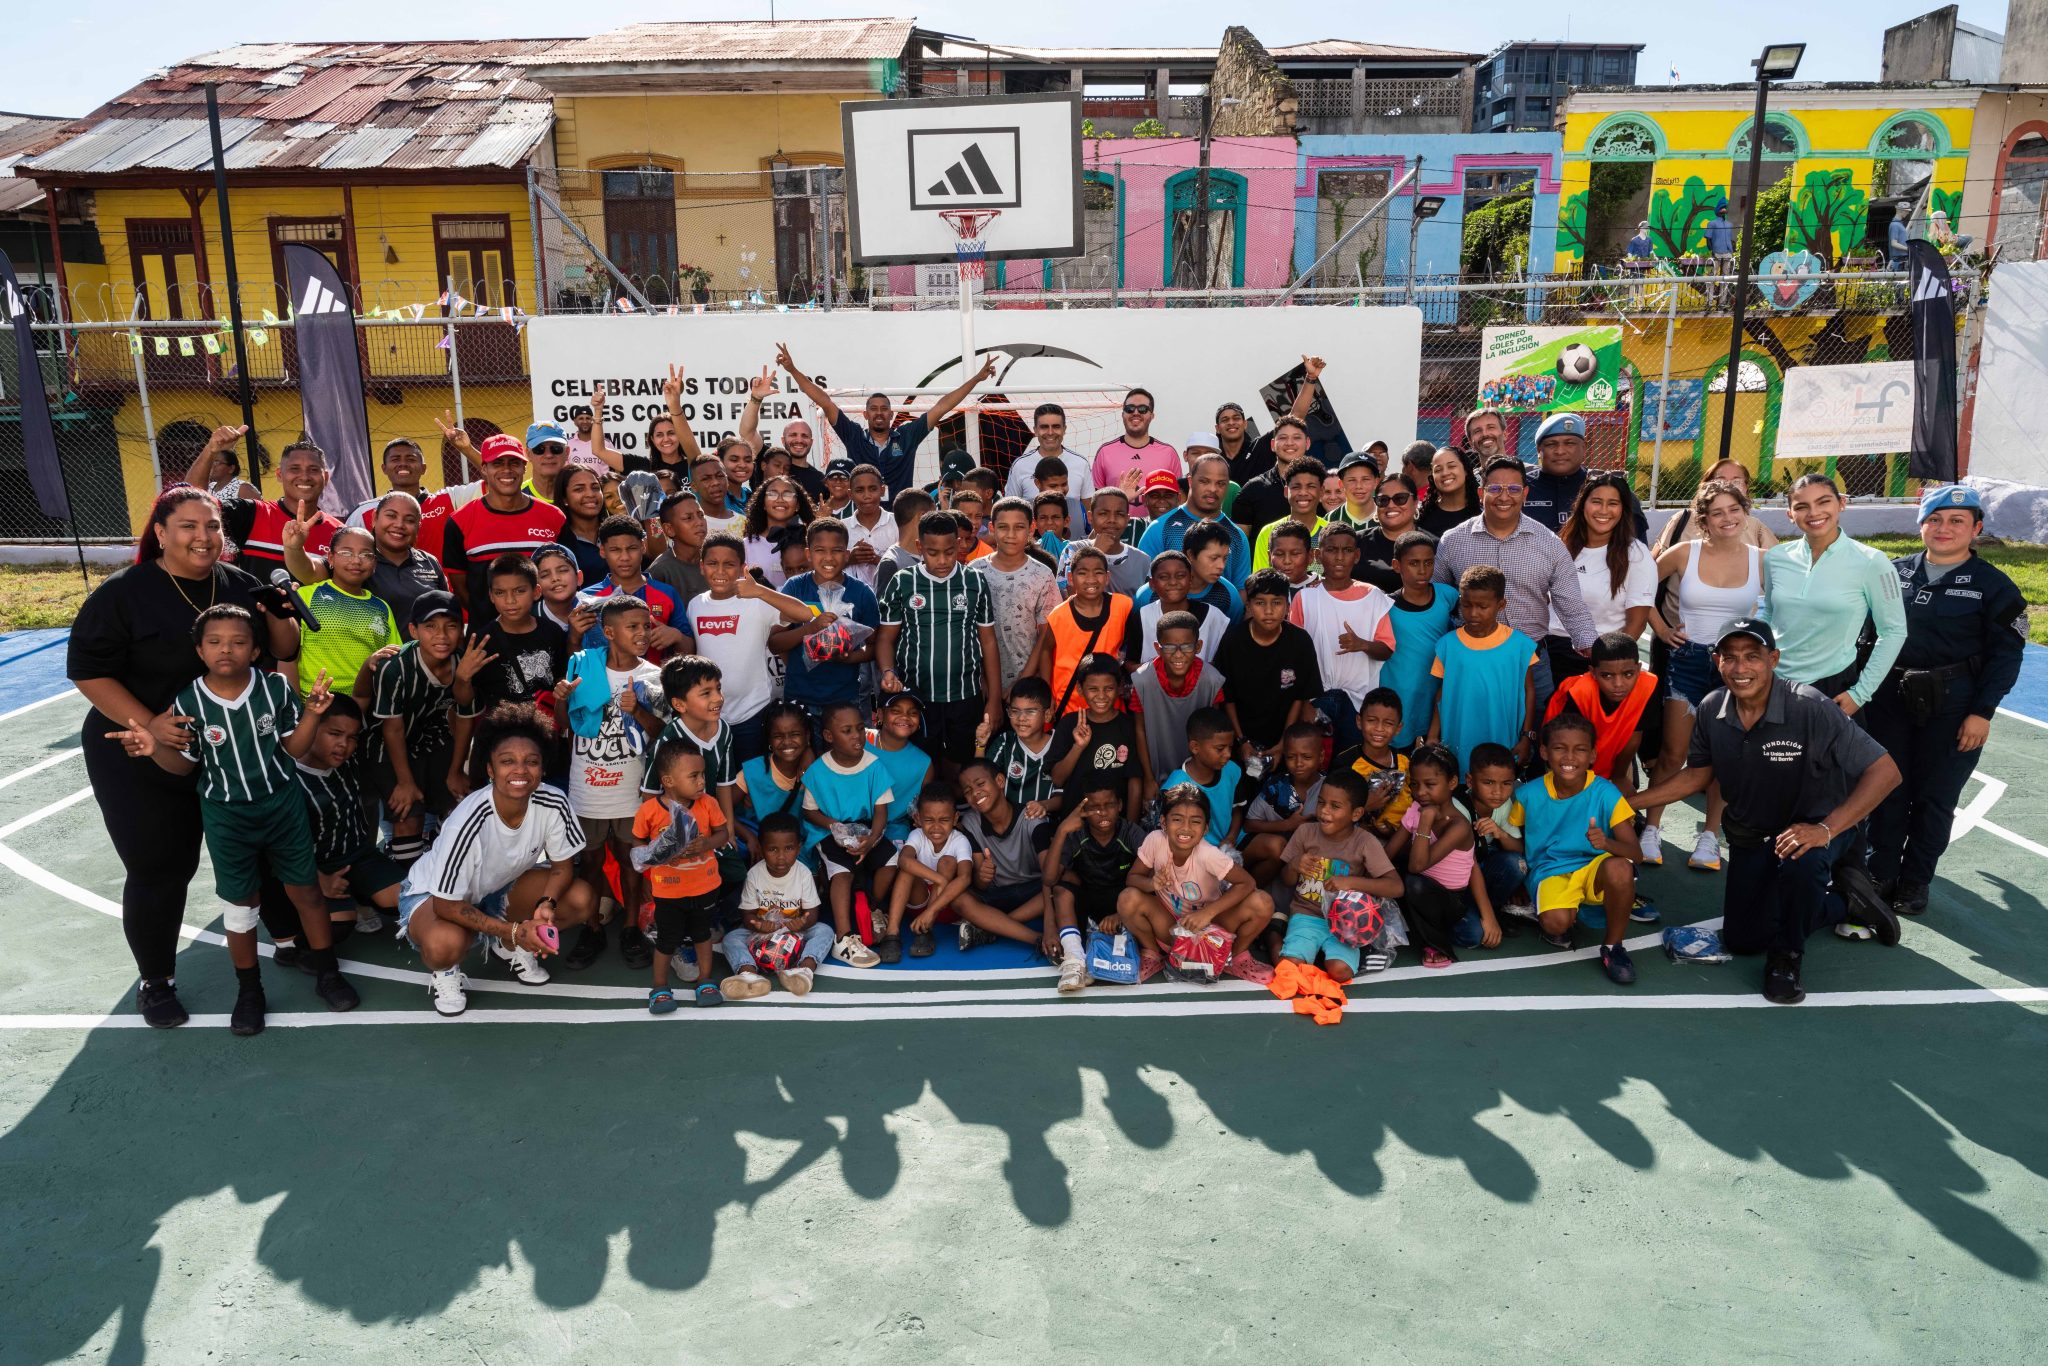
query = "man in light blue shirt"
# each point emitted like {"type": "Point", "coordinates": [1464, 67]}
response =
{"type": "Point", "coordinates": [1817, 600]}
{"type": "Point", "coordinates": [1208, 481]}
{"type": "Point", "coordinates": [1720, 232]}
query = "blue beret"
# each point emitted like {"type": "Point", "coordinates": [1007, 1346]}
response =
{"type": "Point", "coordinates": [1561, 424]}
{"type": "Point", "coordinates": [1950, 496]}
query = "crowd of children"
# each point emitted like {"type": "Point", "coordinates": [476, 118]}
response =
{"type": "Point", "coordinates": [957, 711]}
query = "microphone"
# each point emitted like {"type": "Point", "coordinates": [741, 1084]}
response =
{"type": "Point", "coordinates": [287, 588]}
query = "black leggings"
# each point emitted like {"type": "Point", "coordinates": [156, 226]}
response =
{"type": "Point", "coordinates": [153, 820]}
{"type": "Point", "coordinates": [1431, 909]}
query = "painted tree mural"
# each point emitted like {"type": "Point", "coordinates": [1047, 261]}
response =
{"type": "Point", "coordinates": [1571, 227]}
{"type": "Point", "coordinates": [1827, 210]}
{"type": "Point", "coordinates": [1678, 227]}
{"type": "Point", "coordinates": [1949, 202]}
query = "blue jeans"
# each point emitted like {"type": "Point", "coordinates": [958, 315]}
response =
{"type": "Point", "coordinates": [1337, 709]}
{"type": "Point", "coordinates": [1504, 873]}
{"type": "Point", "coordinates": [1545, 686]}
{"type": "Point", "coordinates": [738, 947]}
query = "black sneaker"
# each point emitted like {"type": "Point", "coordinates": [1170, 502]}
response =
{"type": "Point", "coordinates": [923, 944]}
{"type": "Point", "coordinates": [973, 936]}
{"type": "Point", "coordinates": [1781, 980]}
{"type": "Point", "coordinates": [1561, 940]}
{"type": "Point", "coordinates": [889, 948]}
{"type": "Point", "coordinates": [247, 1019]}
{"type": "Point", "coordinates": [334, 989]}
{"type": "Point", "coordinates": [1620, 968]}
{"type": "Point", "coordinates": [1910, 899]}
{"type": "Point", "coordinates": [634, 948]}
{"type": "Point", "coordinates": [160, 1006]}
{"type": "Point", "coordinates": [1866, 907]}
{"type": "Point", "coordinates": [587, 949]}
{"type": "Point", "coordinates": [289, 955]}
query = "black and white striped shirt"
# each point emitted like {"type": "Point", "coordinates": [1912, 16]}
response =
{"type": "Point", "coordinates": [405, 688]}
{"type": "Point", "coordinates": [239, 743]}
{"type": "Point", "coordinates": [938, 652]}
{"type": "Point", "coordinates": [720, 768]}
{"type": "Point", "coordinates": [334, 803]}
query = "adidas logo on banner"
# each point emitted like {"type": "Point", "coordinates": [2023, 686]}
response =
{"type": "Point", "coordinates": [320, 299]}
{"type": "Point", "coordinates": [1931, 286]}
{"type": "Point", "coordinates": [971, 174]}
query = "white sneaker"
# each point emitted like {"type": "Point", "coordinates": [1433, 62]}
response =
{"type": "Point", "coordinates": [682, 965]}
{"type": "Point", "coordinates": [1073, 974]}
{"type": "Point", "coordinates": [448, 989]}
{"type": "Point", "coordinates": [368, 921]}
{"type": "Point", "coordinates": [525, 963]}
{"type": "Point", "coordinates": [1653, 846]}
{"type": "Point", "coordinates": [1706, 855]}
{"type": "Point", "coordinates": [795, 981]}
{"type": "Point", "coordinates": [850, 951]}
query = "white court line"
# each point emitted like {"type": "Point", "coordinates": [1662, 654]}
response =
{"type": "Point", "coordinates": [22, 823]}
{"type": "Point", "coordinates": [58, 697]}
{"type": "Point", "coordinates": [55, 759]}
{"type": "Point", "coordinates": [1084, 1009]}
{"type": "Point", "coordinates": [2002, 711]}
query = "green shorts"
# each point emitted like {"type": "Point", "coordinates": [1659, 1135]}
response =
{"type": "Point", "coordinates": [245, 838]}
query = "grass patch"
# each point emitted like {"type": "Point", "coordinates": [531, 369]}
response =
{"type": "Point", "coordinates": [33, 596]}
{"type": "Point", "coordinates": [2026, 564]}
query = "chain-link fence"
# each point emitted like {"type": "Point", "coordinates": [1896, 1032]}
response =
{"type": "Point", "coordinates": [644, 237]}
{"type": "Point", "coordinates": [1665, 425]}
{"type": "Point", "coordinates": [134, 402]}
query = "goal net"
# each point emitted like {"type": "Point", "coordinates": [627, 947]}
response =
{"type": "Point", "coordinates": [995, 427]}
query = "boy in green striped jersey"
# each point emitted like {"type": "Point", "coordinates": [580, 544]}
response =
{"type": "Point", "coordinates": [249, 801]}
{"type": "Point", "coordinates": [938, 640]}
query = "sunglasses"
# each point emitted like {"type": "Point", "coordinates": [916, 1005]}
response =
{"type": "Point", "coordinates": [1137, 407]}
{"type": "Point", "coordinates": [1394, 500]}
{"type": "Point", "coordinates": [551, 448]}
{"type": "Point", "coordinates": [1500, 489]}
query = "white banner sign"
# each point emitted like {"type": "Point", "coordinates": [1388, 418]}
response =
{"type": "Point", "coordinates": [1191, 359]}
{"type": "Point", "coordinates": [1846, 410]}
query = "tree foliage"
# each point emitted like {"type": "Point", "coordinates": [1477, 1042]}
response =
{"type": "Point", "coordinates": [1828, 207]}
{"type": "Point", "coordinates": [1772, 208]}
{"type": "Point", "coordinates": [1678, 226]}
{"type": "Point", "coordinates": [1571, 227]}
{"type": "Point", "coordinates": [1497, 237]}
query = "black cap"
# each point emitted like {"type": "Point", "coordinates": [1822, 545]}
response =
{"type": "Point", "coordinates": [581, 410]}
{"type": "Point", "coordinates": [1758, 631]}
{"type": "Point", "coordinates": [435, 602]}
{"type": "Point", "coordinates": [1358, 458]}
{"type": "Point", "coordinates": [955, 464]}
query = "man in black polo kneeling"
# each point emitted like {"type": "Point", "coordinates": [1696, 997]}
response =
{"type": "Point", "coordinates": [1799, 778]}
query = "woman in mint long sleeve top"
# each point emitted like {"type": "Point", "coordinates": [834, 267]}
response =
{"type": "Point", "coordinates": [1820, 589]}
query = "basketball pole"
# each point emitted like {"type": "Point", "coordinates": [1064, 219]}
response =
{"type": "Point", "coordinates": [967, 361]}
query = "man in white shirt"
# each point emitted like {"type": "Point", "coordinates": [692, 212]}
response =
{"type": "Point", "coordinates": [1049, 425]}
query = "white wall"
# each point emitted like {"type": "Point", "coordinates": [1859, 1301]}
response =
{"type": "Point", "coordinates": [2009, 424]}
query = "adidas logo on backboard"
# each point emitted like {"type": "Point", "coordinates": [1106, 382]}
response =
{"type": "Point", "coordinates": [964, 168]}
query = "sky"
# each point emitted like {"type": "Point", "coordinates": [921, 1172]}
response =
{"type": "Point", "coordinates": [81, 54]}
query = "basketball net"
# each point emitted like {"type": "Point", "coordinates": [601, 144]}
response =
{"type": "Point", "coordinates": [971, 250]}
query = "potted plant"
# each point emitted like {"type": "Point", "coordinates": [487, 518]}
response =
{"type": "Point", "coordinates": [699, 280]}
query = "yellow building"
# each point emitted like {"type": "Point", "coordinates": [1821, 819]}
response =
{"type": "Point", "coordinates": [405, 164]}
{"type": "Point", "coordinates": [702, 158]}
{"type": "Point", "coordinates": [1670, 155]}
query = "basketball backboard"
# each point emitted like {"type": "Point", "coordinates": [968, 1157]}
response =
{"type": "Point", "coordinates": [909, 161]}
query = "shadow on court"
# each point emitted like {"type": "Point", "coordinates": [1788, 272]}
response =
{"type": "Point", "coordinates": [406, 1161]}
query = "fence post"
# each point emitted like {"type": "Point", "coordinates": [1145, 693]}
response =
{"type": "Point", "coordinates": [142, 395]}
{"type": "Point", "coordinates": [454, 355]}
{"type": "Point", "coordinates": [1116, 255]}
{"type": "Point", "coordinates": [540, 262]}
{"type": "Point", "coordinates": [826, 262]}
{"type": "Point", "coordinates": [1664, 395]}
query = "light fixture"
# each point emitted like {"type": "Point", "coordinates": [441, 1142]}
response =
{"type": "Point", "coordinates": [1780, 61]}
{"type": "Point", "coordinates": [1426, 206]}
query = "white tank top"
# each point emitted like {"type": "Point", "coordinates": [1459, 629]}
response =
{"type": "Point", "coordinates": [1704, 609]}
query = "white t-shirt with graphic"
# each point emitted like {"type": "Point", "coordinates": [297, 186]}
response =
{"type": "Point", "coordinates": [733, 634]}
{"type": "Point", "coordinates": [605, 769]}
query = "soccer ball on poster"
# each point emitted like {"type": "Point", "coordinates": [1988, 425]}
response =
{"type": "Point", "coordinates": [1550, 369]}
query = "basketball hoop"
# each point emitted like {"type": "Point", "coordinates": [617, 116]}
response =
{"type": "Point", "coordinates": [972, 249]}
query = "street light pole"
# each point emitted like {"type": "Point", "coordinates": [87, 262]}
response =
{"type": "Point", "coordinates": [1780, 61]}
{"type": "Point", "coordinates": [1202, 194]}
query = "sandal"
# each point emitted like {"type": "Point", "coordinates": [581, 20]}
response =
{"type": "Point", "coordinates": [889, 948]}
{"type": "Point", "coordinates": [709, 995]}
{"type": "Point", "coordinates": [660, 1001]}
{"type": "Point", "coordinates": [1431, 958]}
{"type": "Point", "coordinates": [923, 944]}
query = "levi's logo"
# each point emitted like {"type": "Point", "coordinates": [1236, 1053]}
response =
{"type": "Point", "coordinates": [718, 626]}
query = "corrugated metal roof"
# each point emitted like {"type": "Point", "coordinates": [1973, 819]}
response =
{"type": "Point", "coordinates": [331, 106]}
{"type": "Point", "coordinates": [743, 40]}
{"type": "Point", "coordinates": [1326, 49]}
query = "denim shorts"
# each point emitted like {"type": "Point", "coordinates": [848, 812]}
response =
{"type": "Point", "coordinates": [494, 905]}
{"type": "Point", "coordinates": [1693, 674]}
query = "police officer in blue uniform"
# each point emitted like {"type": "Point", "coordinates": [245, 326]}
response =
{"type": "Point", "coordinates": [1966, 628]}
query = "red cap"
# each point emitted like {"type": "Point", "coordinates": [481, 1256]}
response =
{"type": "Point", "coordinates": [503, 446]}
{"type": "Point", "coordinates": [1159, 481]}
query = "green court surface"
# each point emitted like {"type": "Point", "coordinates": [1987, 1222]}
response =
{"type": "Point", "coordinates": [1511, 1160]}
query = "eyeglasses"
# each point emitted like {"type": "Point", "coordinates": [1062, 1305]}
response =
{"type": "Point", "coordinates": [1498, 490]}
{"type": "Point", "coordinates": [1394, 500]}
{"type": "Point", "coordinates": [1137, 407]}
{"type": "Point", "coordinates": [339, 554]}
{"type": "Point", "coordinates": [1176, 649]}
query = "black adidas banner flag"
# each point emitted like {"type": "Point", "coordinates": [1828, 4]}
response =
{"type": "Point", "coordinates": [330, 374]}
{"type": "Point", "coordinates": [38, 437]}
{"type": "Point", "coordinates": [1933, 318]}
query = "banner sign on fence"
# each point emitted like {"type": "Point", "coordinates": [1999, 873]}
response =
{"type": "Point", "coordinates": [1549, 369]}
{"type": "Point", "coordinates": [38, 437]}
{"type": "Point", "coordinates": [1683, 403]}
{"type": "Point", "coordinates": [1846, 410]}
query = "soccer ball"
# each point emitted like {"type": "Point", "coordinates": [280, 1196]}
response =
{"type": "Point", "coordinates": [774, 952]}
{"type": "Point", "coordinates": [1576, 363]}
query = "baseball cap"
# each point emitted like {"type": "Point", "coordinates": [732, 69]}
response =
{"type": "Point", "coordinates": [1357, 458]}
{"type": "Point", "coordinates": [1159, 481]}
{"type": "Point", "coordinates": [1758, 631]}
{"type": "Point", "coordinates": [545, 431]}
{"type": "Point", "coordinates": [1561, 424]}
{"type": "Point", "coordinates": [435, 602]}
{"type": "Point", "coordinates": [581, 410]}
{"type": "Point", "coordinates": [1950, 496]}
{"type": "Point", "coordinates": [503, 446]}
{"type": "Point", "coordinates": [956, 464]}
{"type": "Point", "coordinates": [839, 467]}
{"type": "Point", "coordinates": [1201, 441]}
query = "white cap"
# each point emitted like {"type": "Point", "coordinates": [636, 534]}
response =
{"type": "Point", "coordinates": [1201, 441]}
